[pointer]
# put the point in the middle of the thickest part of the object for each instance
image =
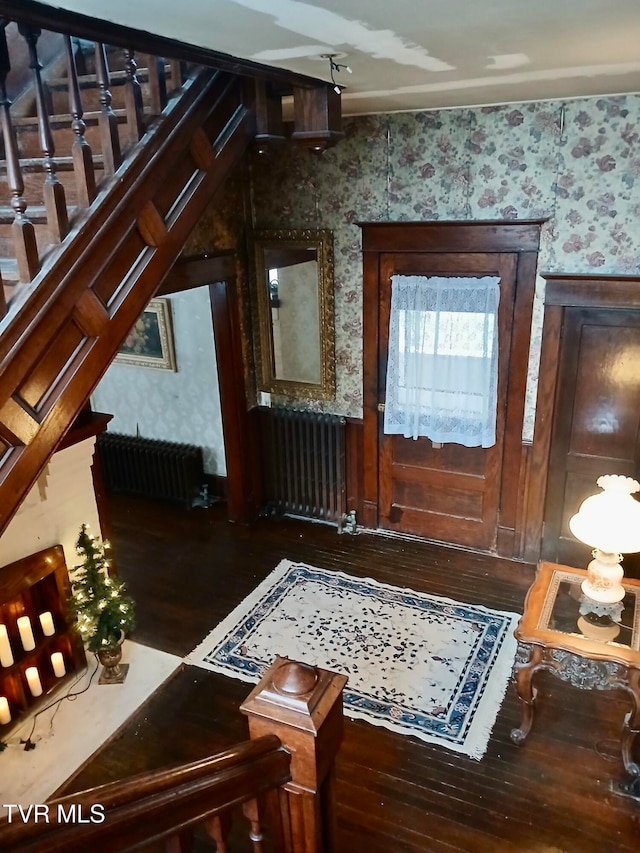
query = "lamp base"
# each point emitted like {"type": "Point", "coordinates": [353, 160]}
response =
{"type": "Point", "coordinates": [604, 576]}
{"type": "Point", "coordinates": [609, 610]}
{"type": "Point", "coordinates": [603, 630]}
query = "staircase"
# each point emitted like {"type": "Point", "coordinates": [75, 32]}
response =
{"type": "Point", "coordinates": [109, 162]}
{"type": "Point", "coordinates": [282, 779]}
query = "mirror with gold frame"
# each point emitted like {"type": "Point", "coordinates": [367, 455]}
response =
{"type": "Point", "coordinates": [294, 275]}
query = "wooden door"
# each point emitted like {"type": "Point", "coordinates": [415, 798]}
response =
{"type": "Point", "coordinates": [450, 493]}
{"type": "Point", "coordinates": [596, 424]}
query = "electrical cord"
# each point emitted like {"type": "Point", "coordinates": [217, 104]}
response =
{"type": "Point", "coordinates": [28, 744]}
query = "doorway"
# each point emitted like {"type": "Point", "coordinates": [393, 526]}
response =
{"type": "Point", "coordinates": [596, 405]}
{"type": "Point", "coordinates": [464, 496]}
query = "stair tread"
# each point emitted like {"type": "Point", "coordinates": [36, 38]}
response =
{"type": "Point", "coordinates": [62, 164]}
{"type": "Point", "coordinates": [35, 213]}
{"type": "Point", "coordinates": [9, 272]}
{"type": "Point", "coordinates": [88, 81]}
{"type": "Point", "coordinates": [64, 119]}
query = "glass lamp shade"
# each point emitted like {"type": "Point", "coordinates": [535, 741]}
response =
{"type": "Point", "coordinates": [610, 523]}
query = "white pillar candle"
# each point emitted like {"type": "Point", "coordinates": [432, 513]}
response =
{"type": "Point", "coordinates": [6, 656]}
{"type": "Point", "coordinates": [57, 662]}
{"type": "Point", "coordinates": [5, 713]}
{"type": "Point", "coordinates": [26, 634]}
{"type": "Point", "coordinates": [46, 620]}
{"type": "Point", "coordinates": [33, 680]}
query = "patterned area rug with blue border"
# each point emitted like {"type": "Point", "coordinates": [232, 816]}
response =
{"type": "Point", "coordinates": [417, 664]}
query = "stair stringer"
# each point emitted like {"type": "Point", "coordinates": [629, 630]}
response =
{"type": "Point", "coordinates": [84, 303]}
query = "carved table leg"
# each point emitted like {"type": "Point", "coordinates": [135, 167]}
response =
{"type": "Point", "coordinates": [631, 726]}
{"type": "Point", "coordinates": [524, 672]}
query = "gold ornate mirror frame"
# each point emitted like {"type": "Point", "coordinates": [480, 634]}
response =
{"type": "Point", "coordinates": [295, 299]}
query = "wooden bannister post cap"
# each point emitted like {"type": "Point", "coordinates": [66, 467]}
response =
{"type": "Point", "coordinates": [294, 694]}
{"type": "Point", "coordinates": [302, 705]}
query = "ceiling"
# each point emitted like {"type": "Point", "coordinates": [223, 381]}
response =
{"type": "Point", "coordinates": [412, 54]}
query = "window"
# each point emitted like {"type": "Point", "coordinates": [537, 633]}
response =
{"type": "Point", "coordinates": [442, 369]}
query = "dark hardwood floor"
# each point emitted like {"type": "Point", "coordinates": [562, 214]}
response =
{"type": "Point", "coordinates": [188, 569]}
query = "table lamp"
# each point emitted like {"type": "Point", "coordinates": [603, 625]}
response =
{"type": "Point", "coordinates": [610, 523]}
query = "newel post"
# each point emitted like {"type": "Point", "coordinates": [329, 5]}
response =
{"type": "Point", "coordinates": [302, 705]}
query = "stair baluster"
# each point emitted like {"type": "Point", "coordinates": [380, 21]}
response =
{"type": "Point", "coordinates": [22, 230]}
{"type": "Point", "coordinates": [182, 842]}
{"type": "Point", "coordinates": [177, 75]}
{"type": "Point", "coordinates": [157, 84]}
{"type": "Point", "coordinates": [54, 197]}
{"type": "Point", "coordinates": [80, 150]}
{"type": "Point", "coordinates": [218, 828]}
{"type": "Point", "coordinates": [3, 301]}
{"type": "Point", "coordinates": [133, 99]}
{"type": "Point", "coordinates": [108, 121]}
{"type": "Point", "coordinates": [252, 814]}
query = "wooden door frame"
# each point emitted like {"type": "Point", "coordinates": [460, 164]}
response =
{"type": "Point", "coordinates": [516, 236]}
{"type": "Point", "coordinates": [562, 291]}
{"type": "Point", "coordinates": [239, 425]}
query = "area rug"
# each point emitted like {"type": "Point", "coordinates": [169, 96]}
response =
{"type": "Point", "coordinates": [419, 665]}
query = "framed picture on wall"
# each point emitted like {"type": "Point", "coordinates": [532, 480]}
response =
{"type": "Point", "coordinates": [150, 342]}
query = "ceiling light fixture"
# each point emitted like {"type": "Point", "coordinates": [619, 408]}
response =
{"type": "Point", "coordinates": [333, 68]}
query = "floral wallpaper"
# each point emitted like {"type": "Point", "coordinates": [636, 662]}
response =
{"type": "Point", "coordinates": [183, 406]}
{"type": "Point", "coordinates": [575, 163]}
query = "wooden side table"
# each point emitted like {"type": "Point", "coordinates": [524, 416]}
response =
{"type": "Point", "coordinates": [560, 633]}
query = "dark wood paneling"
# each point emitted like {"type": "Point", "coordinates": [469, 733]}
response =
{"type": "Point", "coordinates": [511, 491]}
{"type": "Point", "coordinates": [565, 294]}
{"type": "Point", "coordinates": [354, 467]}
{"type": "Point", "coordinates": [455, 240]}
{"type": "Point", "coordinates": [187, 273]}
{"type": "Point", "coordinates": [240, 427]}
{"type": "Point", "coordinates": [490, 236]}
{"type": "Point", "coordinates": [537, 482]}
{"type": "Point", "coordinates": [370, 369]}
{"type": "Point", "coordinates": [450, 457]}
{"type": "Point", "coordinates": [595, 291]}
{"type": "Point", "coordinates": [596, 424]}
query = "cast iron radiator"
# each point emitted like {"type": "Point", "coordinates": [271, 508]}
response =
{"type": "Point", "coordinates": [305, 464]}
{"type": "Point", "coordinates": [151, 467]}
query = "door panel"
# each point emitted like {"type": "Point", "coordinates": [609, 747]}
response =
{"type": "Point", "coordinates": [596, 427]}
{"type": "Point", "coordinates": [449, 493]}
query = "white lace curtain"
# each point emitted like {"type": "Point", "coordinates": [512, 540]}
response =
{"type": "Point", "coordinates": [442, 368]}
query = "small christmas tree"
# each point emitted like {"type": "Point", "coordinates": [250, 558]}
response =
{"type": "Point", "coordinates": [99, 603]}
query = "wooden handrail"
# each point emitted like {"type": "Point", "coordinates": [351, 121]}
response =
{"type": "Point", "coordinates": [283, 778]}
{"type": "Point", "coordinates": [81, 298]}
{"type": "Point", "coordinates": [110, 269]}
{"type": "Point", "coordinates": [152, 806]}
{"type": "Point", "coordinates": [30, 245]}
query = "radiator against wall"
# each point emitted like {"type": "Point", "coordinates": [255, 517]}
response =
{"type": "Point", "coordinates": [150, 467]}
{"type": "Point", "coordinates": [305, 458]}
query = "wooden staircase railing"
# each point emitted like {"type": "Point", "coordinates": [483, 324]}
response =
{"type": "Point", "coordinates": [62, 138]}
{"type": "Point", "coordinates": [111, 215]}
{"type": "Point", "coordinates": [64, 330]}
{"type": "Point", "coordinates": [283, 780]}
